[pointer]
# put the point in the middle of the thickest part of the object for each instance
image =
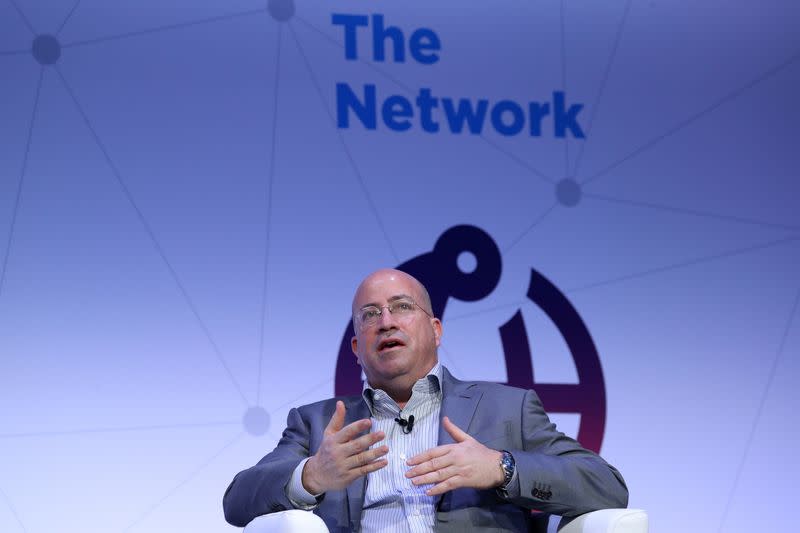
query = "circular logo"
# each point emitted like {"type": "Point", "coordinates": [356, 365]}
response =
{"type": "Point", "coordinates": [438, 270]}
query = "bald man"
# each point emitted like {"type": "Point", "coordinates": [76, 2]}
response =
{"type": "Point", "coordinates": [419, 450]}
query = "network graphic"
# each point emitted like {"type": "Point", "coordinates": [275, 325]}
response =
{"type": "Point", "coordinates": [110, 210]}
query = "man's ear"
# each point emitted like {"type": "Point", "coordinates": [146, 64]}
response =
{"type": "Point", "coordinates": [354, 345]}
{"type": "Point", "coordinates": [437, 330]}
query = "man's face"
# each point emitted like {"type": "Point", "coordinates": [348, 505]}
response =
{"type": "Point", "coordinates": [396, 347]}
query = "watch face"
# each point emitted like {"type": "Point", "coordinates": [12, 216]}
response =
{"type": "Point", "coordinates": [508, 459]}
{"type": "Point", "coordinates": [507, 462]}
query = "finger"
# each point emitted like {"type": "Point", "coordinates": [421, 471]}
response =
{"type": "Point", "coordinates": [446, 486]}
{"type": "Point", "coordinates": [455, 431]}
{"type": "Point", "coordinates": [437, 463]}
{"type": "Point", "coordinates": [365, 441]}
{"type": "Point", "coordinates": [364, 458]}
{"type": "Point", "coordinates": [436, 476]}
{"type": "Point", "coordinates": [369, 468]}
{"type": "Point", "coordinates": [350, 431]}
{"type": "Point", "coordinates": [429, 454]}
{"type": "Point", "coordinates": [337, 420]}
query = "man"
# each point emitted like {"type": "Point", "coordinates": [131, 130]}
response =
{"type": "Point", "coordinates": [420, 450]}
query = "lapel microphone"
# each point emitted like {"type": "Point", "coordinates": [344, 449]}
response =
{"type": "Point", "coordinates": [407, 425]}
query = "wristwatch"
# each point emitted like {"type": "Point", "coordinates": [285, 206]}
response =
{"type": "Point", "coordinates": [507, 465]}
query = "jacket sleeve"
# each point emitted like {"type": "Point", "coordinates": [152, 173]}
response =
{"type": "Point", "coordinates": [261, 488]}
{"type": "Point", "coordinates": [556, 474]}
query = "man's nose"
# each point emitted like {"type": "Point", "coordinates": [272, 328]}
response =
{"type": "Point", "coordinates": [386, 320]}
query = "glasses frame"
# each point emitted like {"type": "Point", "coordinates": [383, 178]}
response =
{"type": "Point", "coordinates": [362, 325]}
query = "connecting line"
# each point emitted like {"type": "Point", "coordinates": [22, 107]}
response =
{"type": "Point", "coordinates": [353, 165]}
{"type": "Point", "coordinates": [692, 262]}
{"type": "Point", "coordinates": [684, 211]}
{"type": "Point", "coordinates": [184, 482]}
{"type": "Point", "coordinates": [13, 511]}
{"type": "Point", "coordinates": [69, 16]}
{"type": "Point", "coordinates": [269, 216]}
{"type": "Point", "coordinates": [533, 224]}
{"type": "Point", "coordinates": [410, 92]}
{"type": "Point", "coordinates": [603, 83]}
{"type": "Point", "coordinates": [564, 84]}
{"type": "Point", "coordinates": [18, 196]}
{"type": "Point", "coordinates": [524, 164]}
{"type": "Point", "coordinates": [167, 27]}
{"type": "Point", "coordinates": [14, 52]}
{"type": "Point", "coordinates": [151, 234]}
{"type": "Point", "coordinates": [695, 117]}
{"type": "Point", "coordinates": [116, 430]}
{"type": "Point", "coordinates": [326, 381]}
{"type": "Point", "coordinates": [24, 18]}
{"type": "Point", "coordinates": [759, 411]}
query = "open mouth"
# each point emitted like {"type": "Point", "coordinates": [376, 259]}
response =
{"type": "Point", "coordinates": [389, 344]}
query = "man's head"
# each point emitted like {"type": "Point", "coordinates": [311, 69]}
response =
{"type": "Point", "coordinates": [399, 347]}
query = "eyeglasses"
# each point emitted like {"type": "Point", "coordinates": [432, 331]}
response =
{"type": "Point", "coordinates": [370, 314]}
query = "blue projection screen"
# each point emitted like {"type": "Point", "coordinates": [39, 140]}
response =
{"type": "Point", "coordinates": [601, 196]}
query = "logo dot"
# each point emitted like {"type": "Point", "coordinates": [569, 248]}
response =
{"type": "Point", "coordinates": [467, 262]}
{"type": "Point", "coordinates": [568, 192]}
{"type": "Point", "coordinates": [46, 49]}
{"type": "Point", "coordinates": [281, 10]}
{"type": "Point", "coordinates": [256, 421]}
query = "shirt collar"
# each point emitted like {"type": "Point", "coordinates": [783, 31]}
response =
{"type": "Point", "coordinates": [376, 399]}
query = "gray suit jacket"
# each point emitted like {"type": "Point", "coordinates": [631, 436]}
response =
{"type": "Point", "coordinates": [556, 475]}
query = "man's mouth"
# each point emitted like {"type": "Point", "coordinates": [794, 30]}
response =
{"type": "Point", "coordinates": [388, 344]}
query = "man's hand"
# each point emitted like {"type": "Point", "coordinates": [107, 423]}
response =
{"type": "Point", "coordinates": [343, 456]}
{"type": "Point", "coordinates": [467, 463]}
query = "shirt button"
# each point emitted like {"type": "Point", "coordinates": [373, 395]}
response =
{"type": "Point", "coordinates": [402, 457]}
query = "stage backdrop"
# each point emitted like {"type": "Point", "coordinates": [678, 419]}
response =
{"type": "Point", "coordinates": [602, 195]}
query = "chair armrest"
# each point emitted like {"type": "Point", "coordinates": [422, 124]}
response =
{"type": "Point", "coordinates": [603, 521]}
{"type": "Point", "coordinates": [291, 521]}
{"type": "Point", "coordinates": [607, 521]}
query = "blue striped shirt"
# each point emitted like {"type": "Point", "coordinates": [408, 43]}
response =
{"type": "Point", "coordinates": [391, 501]}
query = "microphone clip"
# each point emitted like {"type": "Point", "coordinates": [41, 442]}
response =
{"type": "Point", "coordinates": [407, 425]}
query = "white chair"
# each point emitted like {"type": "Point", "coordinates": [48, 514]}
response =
{"type": "Point", "coordinates": [292, 521]}
{"type": "Point", "coordinates": [603, 521]}
{"type": "Point", "coordinates": [607, 521]}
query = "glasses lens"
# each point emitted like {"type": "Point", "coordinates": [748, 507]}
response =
{"type": "Point", "coordinates": [368, 315]}
{"type": "Point", "coordinates": [401, 307]}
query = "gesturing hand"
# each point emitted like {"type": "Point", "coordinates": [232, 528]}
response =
{"type": "Point", "coordinates": [343, 456]}
{"type": "Point", "coordinates": [467, 463]}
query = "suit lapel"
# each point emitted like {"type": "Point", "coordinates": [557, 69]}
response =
{"type": "Point", "coordinates": [356, 410]}
{"type": "Point", "coordinates": [459, 401]}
